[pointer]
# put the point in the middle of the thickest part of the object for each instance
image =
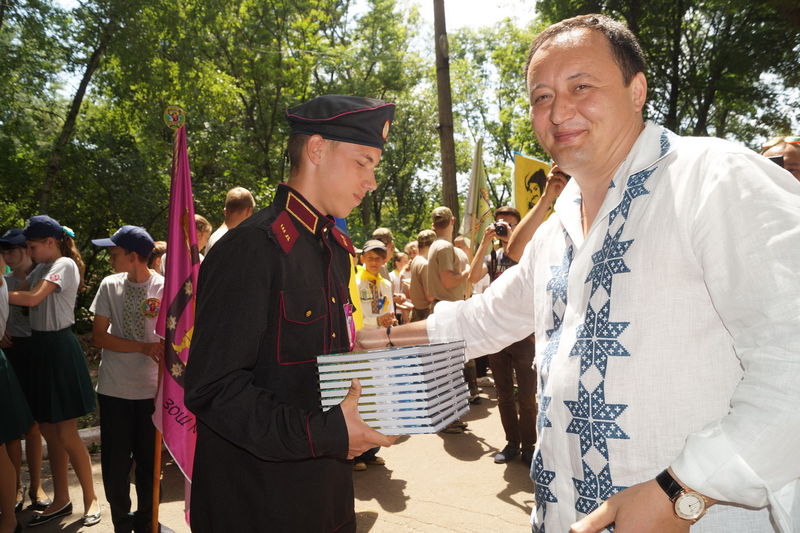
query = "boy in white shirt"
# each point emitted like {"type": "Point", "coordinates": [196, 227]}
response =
{"type": "Point", "coordinates": [125, 308]}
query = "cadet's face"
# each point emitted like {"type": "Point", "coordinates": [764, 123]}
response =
{"type": "Point", "coordinates": [349, 174]}
{"type": "Point", "coordinates": [44, 250]}
{"type": "Point", "coordinates": [581, 110]}
{"type": "Point", "coordinates": [372, 262]}
{"type": "Point", "coordinates": [119, 259]}
{"type": "Point", "coordinates": [14, 256]}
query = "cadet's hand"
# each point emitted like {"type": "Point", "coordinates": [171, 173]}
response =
{"type": "Point", "coordinates": [5, 342]}
{"type": "Point", "coordinates": [642, 508]}
{"type": "Point", "coordinates": [154, 350]}
{"type": "Point", "coordinates": [360, 436]}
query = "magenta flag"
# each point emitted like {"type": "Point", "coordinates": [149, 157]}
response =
{"type": "Point", "coordinates": [176, 318]}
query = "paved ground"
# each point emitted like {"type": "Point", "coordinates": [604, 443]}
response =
{"type": "Point", "coordinates": [431, 483]}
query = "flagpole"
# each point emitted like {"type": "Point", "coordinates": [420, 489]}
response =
{"type": "Point", "coordinates": [157, 464]}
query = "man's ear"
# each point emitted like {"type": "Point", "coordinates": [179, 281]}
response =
{"type": "Point", "coordinates": [315, 146]}
{"type": "Point", "coordinates": [638, 87]}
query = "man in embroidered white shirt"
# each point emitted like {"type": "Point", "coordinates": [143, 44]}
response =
{"type": "Point", "coordinates": [666, 306]}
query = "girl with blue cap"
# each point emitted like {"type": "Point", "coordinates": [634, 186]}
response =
{"type": "Point", "coordinates": [63, 389]}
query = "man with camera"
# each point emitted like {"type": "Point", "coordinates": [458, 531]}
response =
{"type": "Point", "coordinates": [517, 358]}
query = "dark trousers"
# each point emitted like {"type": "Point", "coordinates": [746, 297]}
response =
{"type": "Point", "coordinates": [519, 425]}
{"type": "Point", "coordinates": [127, 435]}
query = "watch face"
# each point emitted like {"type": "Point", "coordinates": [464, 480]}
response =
{"type": "Point", "coordinates": [690, 506]}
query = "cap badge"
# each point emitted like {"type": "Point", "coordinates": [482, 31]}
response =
{"type": "Point", "coordinates": [385, 132]}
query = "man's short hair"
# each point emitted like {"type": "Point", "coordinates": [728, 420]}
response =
{"type": "Point", "coordinates": [239, 199]}
{"type": "Point", "coordinates": [384, 235]}
{"type": "Point", "coordinates": [201, 224]}
{"type": "Point", "coordinates": [425, 238]}
{"type": "Point", "coordinates": [507, 210]}
{"type": "Point", "coordinates": [625, 48]}
{"type": "Point", "coordinates": [294, 150]}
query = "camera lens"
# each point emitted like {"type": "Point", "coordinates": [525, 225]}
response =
{"type": "Point", "coordinates": [500, 229]}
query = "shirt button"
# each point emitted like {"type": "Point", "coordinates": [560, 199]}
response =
{"type": "Point", "coordinates": [333, 300]}
{"type": "Point", "coordinates": [333, 335]}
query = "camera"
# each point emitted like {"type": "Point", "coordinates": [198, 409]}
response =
{"type": "Point", "coordinates": [500, 228]}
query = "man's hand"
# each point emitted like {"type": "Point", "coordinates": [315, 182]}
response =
{"type": "Point", "coordinates": [642, 508]}
{"type": "Point", "coordinates": [360, 436]}
{"type": "Point", "coordinates": [153, 350]}
{"type": "Point", "coordinates": [386, 320]}
{"type": "Point", "coordinates": [5, 342]}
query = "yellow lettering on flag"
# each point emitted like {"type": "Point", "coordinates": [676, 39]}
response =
{"type": "Point", "coordinates": [530, 176]}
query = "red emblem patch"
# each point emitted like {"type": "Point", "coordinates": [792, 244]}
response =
{"type": "Point", "coordinates": [285, 232]}
{"type": "Point", "coordinates": [54, 277]}
{"type": "Point", "coordinates": [343, 240]}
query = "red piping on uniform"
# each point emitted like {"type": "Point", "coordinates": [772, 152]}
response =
{"type": "Point", "coordinates": [340, 114]}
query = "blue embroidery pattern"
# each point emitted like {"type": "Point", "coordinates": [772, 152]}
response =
{"type": "Point", "coordinates": [557, 287]}
{"type": "Point", "coordinates": [665, 144]}
{"type": "Point", "coordinates": [541, 480]}
{"type": "Point", "coordinates": [608, 261]}
{"type": "Point", "coordinates": [594, 489]}
{"type": "Point", "coordinates": [541, 417]}
{"type": "Point", "coordinates": [597, 339]}
{"type": "Point", "coordinates": [594, 420]}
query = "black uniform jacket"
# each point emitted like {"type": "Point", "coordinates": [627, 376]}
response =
{"type": "Point", "coordinates": [271, 297]}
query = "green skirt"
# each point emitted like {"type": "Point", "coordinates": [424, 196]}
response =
{"type": "Point", "coordinates": [15, 416]}
{"type": "Point", "coordinates": [19, 355]}
{"type": "Point", "coordinates": [60, 381]}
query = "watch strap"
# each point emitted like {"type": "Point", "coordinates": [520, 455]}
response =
{"type": "Point", "coordinates": [669, 485]}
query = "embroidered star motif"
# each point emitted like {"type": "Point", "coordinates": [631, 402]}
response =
{"type": "Point", "coordinates": [541, 418]}
{"type": "Point", "coordinates": [594, 420]}
{"type": "Point", "coordinates": [176, 370]}
{"type": "Point", "coordinates": [594, 489]}
{"type": "Point", "coordinates": [665, 144]}
{"type": "Point", "coordinates": [541, 480]}
{"type": "Point", "coordinates": [557, 286]}
{"type": "Point", "coordinates": [171, 322]}
{"type": "Point", "coordinates": [187, 288]}
{"type": "Point", "coordinates": [597, 339]}
{"type": "Point", "coordinates": [608, 261]}
{"type": "Point", "coordinates": [633, 189]}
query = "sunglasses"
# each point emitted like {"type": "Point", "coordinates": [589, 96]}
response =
{"type": "Point", "coordinates": [775, 141]}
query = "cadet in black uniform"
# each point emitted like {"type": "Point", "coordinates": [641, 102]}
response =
{"type": "Point", "coordinates": [272, 295]}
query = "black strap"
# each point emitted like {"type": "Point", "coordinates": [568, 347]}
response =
{"type": "Point", "coordinates": [669, 485]}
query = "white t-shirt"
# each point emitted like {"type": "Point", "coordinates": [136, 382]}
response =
{"type": "Point", "coordinates": [219, 232]}
{"type": "Point", "coordinates": [375, 295]}
{"type": "Point", "coordinates": [132, 309]}
{"type": "Point", "coordinates": [18, 325]}
{"type": "Point", "coordinates": [57, 311]}
{"type": "Point", "coordinates": [3, 308]}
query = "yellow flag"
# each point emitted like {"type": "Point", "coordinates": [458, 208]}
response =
{"type": "Point", "coordinates": [530, 176]}
{"type": "Point", "coordinates": [358, 317]}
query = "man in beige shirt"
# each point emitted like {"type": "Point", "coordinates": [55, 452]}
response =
{"type": "Point", "coordinates": [418, 290]}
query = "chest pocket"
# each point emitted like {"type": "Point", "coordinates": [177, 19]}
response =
{"type": "Point", "coordinates": [301, 327]}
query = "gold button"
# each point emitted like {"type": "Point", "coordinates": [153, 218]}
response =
{"type": "Point", "coordinates": [333, 300]}
{"type": "Point", "coordinates": [333, 335]}
{"type": "Point", "coordinates": [308, 313]}
{"type": "Point", "coordinates": [324, 230]}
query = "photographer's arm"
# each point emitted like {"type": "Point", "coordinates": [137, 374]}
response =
{"type": "Point", "coordinates": [556, 181]}
{"type": "Point", "coordinates": [478, 268]}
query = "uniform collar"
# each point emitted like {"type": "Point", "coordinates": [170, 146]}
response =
{"type": "Point", "coordinates": [302, 211]}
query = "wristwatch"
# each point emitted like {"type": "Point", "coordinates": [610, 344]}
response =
{"type": "Point", "coordinates": [688, 504]}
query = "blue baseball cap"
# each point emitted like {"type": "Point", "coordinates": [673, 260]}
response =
{"type": "Point", "coordinates": [41, 227]}
{"type": "Point", "coordinates": [132, 238]}
{"type": "Point", "coordinates": [13, 238]}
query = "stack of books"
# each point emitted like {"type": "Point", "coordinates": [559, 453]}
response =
{"type": "Point", "coordinates": [405, 390]}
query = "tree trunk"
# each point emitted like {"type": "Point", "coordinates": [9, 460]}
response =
{"type": "Point", "coordinates": [5, 5]}
{"type": "Point", "coordinates": [446, 142]}
{"type": "Point", "coordinates": [55, 160]}
{"type": "Point", "coordinates": [671, 120]}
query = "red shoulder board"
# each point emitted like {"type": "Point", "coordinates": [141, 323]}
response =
{"type": "Point", "coordinates": [285, 232]}
{"type": "Point", "coordinates": [343, 240]}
